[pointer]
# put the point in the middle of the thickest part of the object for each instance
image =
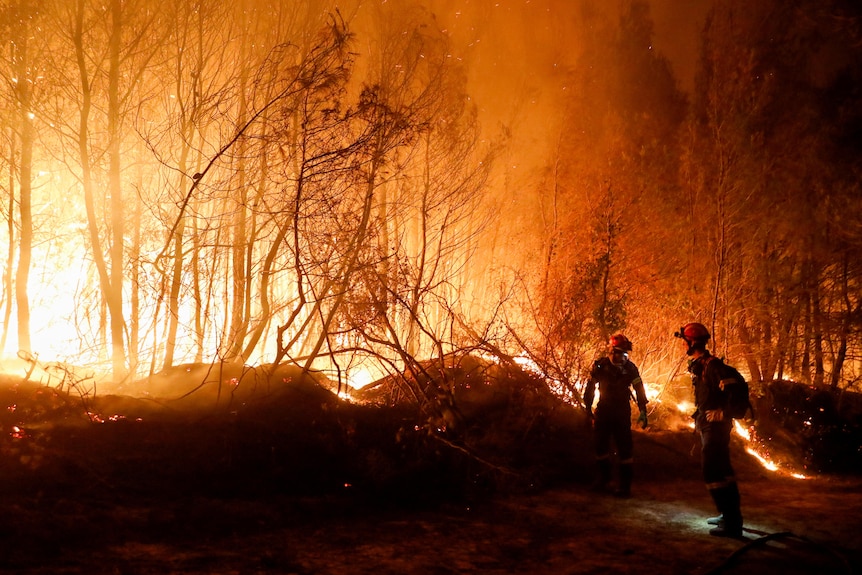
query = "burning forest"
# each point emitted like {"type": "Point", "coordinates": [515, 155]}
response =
{"type": "Point", "coordinates": [327, 280]}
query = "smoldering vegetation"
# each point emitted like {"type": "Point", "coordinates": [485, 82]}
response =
{"type": "Point", "coordinates": [234, 432]}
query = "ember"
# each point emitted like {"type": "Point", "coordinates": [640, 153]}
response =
{"type": "Point", "coordinates": [259, 250]}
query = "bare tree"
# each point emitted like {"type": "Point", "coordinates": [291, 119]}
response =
{"type": "Point", "coordinates": [613, 199]}
{"type": "Point", "coordinates": [405, 309]}
{"type": "Point", "coordinates": [22, 81]}
{"type": "Point", "coordinates": [771, 170]}
{"type": "Point", "coordinates": [108, 54]}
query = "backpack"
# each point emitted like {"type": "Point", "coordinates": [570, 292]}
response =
{"type": "Point", "coordinates": [736, 391]}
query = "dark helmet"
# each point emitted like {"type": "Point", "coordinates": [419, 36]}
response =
{"type": "Point", "coordinates": [695, 335]}
{"type": "Point", "coordinates": [621, 342]}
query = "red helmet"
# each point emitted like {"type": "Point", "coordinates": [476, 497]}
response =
{"type": "Point", "coordinates": [693, 333]}
{"type": "Point", "coordinates": [619, 341]}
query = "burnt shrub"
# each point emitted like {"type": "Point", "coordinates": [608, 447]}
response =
{"type": "Point", "coordinates": [820, 427]}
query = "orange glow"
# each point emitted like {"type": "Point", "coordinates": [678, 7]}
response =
{"type": "Point", "coordinates": [360, 377]}
{"type": "Point", "coordinates": [763, 461]}
{"type": "Point", "coordinates": [685, 407]}
{"type": "Point", "coordinates": [746, 434]}
{"type": "Point", "coordinates": [741, 430]}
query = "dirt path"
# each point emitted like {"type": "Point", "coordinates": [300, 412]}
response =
{"type": "Point", "coordinates": [563, 530]}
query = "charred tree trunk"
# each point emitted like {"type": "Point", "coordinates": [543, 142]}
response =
{"type": "Point", "coordinates": [817, 338]}
{"type": "Point", "coordinates": [846, 320]}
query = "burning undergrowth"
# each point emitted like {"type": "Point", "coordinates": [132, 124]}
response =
{"type": "Point", "coordinates": [239, 431]}
{"type": "Point", "coordinates": [231, 470]}
{"type": "Point", "coordinates": [813, 428]}
{"type": "Point", "coordinates": [242, 432]}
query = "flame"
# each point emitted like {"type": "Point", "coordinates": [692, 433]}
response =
{"type": "Point", "coordinates": [771, 466]}
{"type": "Point", "coordinates": [360, 377]}
{"type": "Point", "coordinates": [653, 393]}
{"type": "Point", "coordinates": [741, 430]}
{"type": "Point", "coordinates": [527, 363]}
{"type": "Point", "coordinates": [685, 407]}
{"type": "Point", "coordinates": [746, 434]}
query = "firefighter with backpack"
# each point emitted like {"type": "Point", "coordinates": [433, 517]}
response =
{"type": "Point", "coordinates": [616, 377]}
{"type": "Point", "coordinates": [714, 422]}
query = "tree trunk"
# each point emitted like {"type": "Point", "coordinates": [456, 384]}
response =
{"type": "Point", "coordinates": [817, 337]}
{"type": "Point", "coordinates": [238, 304]}
{"type": "Point", "coordinates": [84, 155]}
{"type": "Point", "coordinates": [176, 277]}
{"type": "Point", "coordinates": [23, 93]}
{"type": "Point", "coordinates": [846, 321]}
{"type": "Point", "coordinates": [8, 287]}
{"type": "Point", "coordinates": [114, 296]}
{"type": "Point", "coordinates": [135, 283]}
{"type": "Point", "coordinates": [22, 274]}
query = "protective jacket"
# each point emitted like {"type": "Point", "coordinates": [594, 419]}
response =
{"type": "Point", "coordinates": [706, 378]}
{"type": "Point", "coordinates": [615, 384]}
{"type": "Point", "coordinates": [715, 428]}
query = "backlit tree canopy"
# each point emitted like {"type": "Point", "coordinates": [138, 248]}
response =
{"type": "Point", "coordinates": [264, 181]}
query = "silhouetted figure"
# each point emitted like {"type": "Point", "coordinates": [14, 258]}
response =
{"type": "Point", "coordinates": [714, 425]}
{"type": "Point", "coordinates": [616, 377]}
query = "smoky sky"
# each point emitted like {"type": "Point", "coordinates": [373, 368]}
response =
{"type": "Point", "coordinates": [517, 54]}
{"type": "Point", "coordinates": [677, 27]}
{"type": "Point", "coordinates": [516, 51]}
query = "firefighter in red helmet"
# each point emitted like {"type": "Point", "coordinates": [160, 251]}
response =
{"type": "Point", "coordinates": [714, 428]}
{"type": "Point", "coordinates": [616, 377]}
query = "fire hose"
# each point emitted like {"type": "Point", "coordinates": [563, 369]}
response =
{"type": "Point", "coordinates": [780, 535]}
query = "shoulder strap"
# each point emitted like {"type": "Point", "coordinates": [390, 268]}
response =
{"type": "Point", "coordinates": [707, 361]}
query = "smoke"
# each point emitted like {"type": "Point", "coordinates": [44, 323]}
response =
{"type": "Point", "coordinates": [518, 55]}
{"type": "Point", "coordinates": [677, 28]}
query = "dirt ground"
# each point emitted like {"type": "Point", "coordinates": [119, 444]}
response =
{"type": "Point", "coordinates": [792, 526]}
{"type": "Point", "coordinates": [158, 495]}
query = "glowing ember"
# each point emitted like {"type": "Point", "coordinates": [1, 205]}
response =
{"type": "Point", "coordinates": [528, 364]}
{"type": "Point", "coordinates": [685, 407]}
{"type": "Point", "coordinates": [763, 461]}
{"type": "Point", "coordinates": [746, 434]}
{"type": "Point", "coordinates": [741, 430]}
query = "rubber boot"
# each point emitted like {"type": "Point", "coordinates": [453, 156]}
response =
{"type": "Point", "coordinates": [604, 478]}
{"type": "Point", "coordinates": [624, 490]}
{"type": "Point", "coordinates": [727, 500]}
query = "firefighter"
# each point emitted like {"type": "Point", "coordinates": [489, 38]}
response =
{"type": "Point", "coordinates": [714, 428]}
{"type": "Point", "coordinates": [616, 377]}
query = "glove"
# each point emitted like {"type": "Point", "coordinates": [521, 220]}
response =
{"type": "Point", "coordinates": [642, 419]}
{"type": "Point", "coordinates": [714, 415]}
